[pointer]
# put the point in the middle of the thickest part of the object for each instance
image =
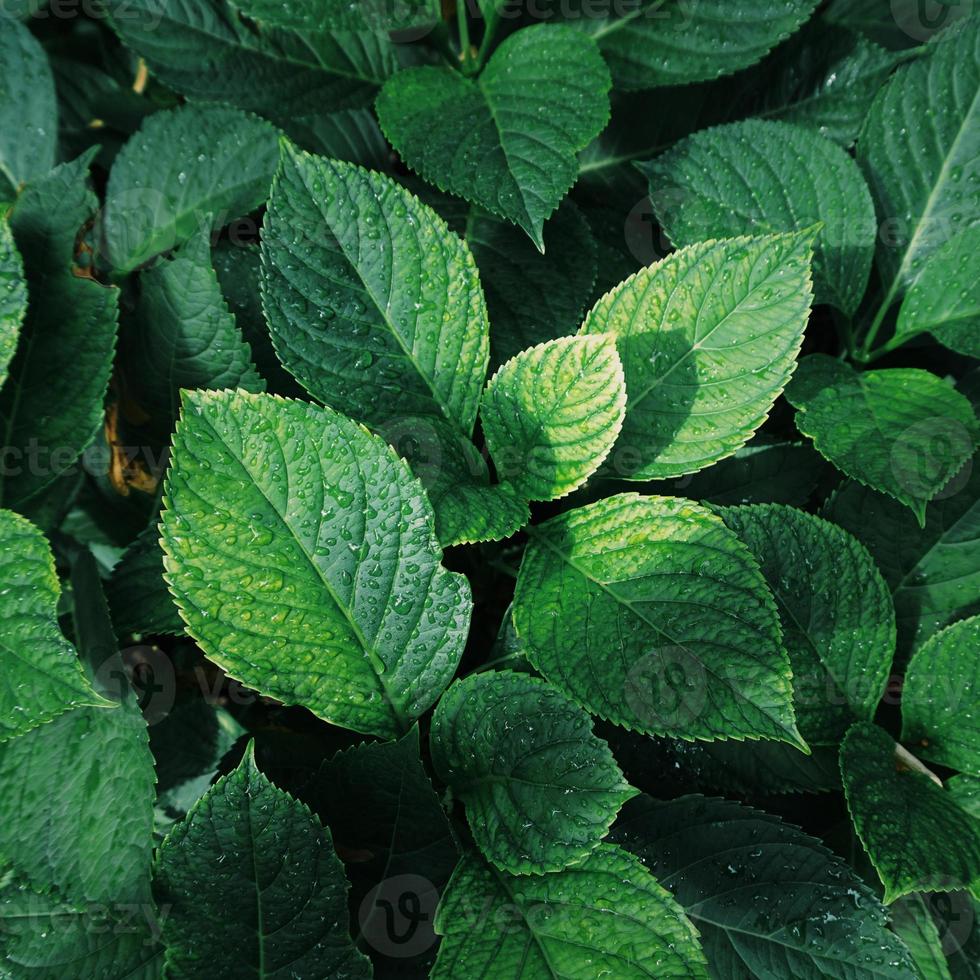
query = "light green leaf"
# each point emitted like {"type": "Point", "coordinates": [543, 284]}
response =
{"type": "Point", "coordinates": [769, 900]}
{"type": "Point", "coordinates": [905, 821]}
{"type": "Point", "coordinates": [137, 593]}
{"type": "Point", "coordinates": [922, 165]}
{"type": "Point", "coordinates": [51, 402]}
{"type": "Point", "coordinates": [28, 109]}
{"type": "Point", "coordinates": [251, 872]}
{"type": "Point", "coordinates": [902, 431]}
{"type": "Point", "coordinates": [508, 139]}
{"type": "Point", "coordinates": [605, 917]}
{"type": "Point", "coordinates": [913, 921]}
{"type": "Point", "coordinates": [652, 614]}
{"type": "Point", "coordinates": [708, 338]}
{"type": "Point", "coordinates": [939, 698]}
{"type": "Point", "coordinates": [302, 556]}
{"type": "Point", "coordinates": [205, 50]}
{"type": "Point", "coordinates": [540, 789]}
{"type": "Point", "coordinates": [13, 297]}
{"type": "Point", "coordinates": [374, 304]}
{"type": "Point", "coordinates": [41, 675]}
{"type": "Point", "coordinates": [182, 333]}
{"type": "Point", "coordinates": [670, 42]}
{"type": "Point", "coordinates": [836, 613]}
{"type": "Point", "coordinates": [183, 173]}
{"type": "Point", "coordinates": [933, 571]}
{"type": "Point", "coordinates": [945, 297]}
{"type": "Point", "coordinates": [551, 414]}
{"type": "Point", "coordinates": [756, 177]}
{"type": "Point", "coordinates": [76, 794]}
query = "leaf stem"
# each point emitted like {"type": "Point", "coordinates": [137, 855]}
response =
{"type": "Point", "coordinates": [906, 760]}
{"type": "Point", "coordinates": [869, 338]}
{"type": "Point", "coordinates": [491, 23]}
{"type": "Point", "coordinates": [463, 23]}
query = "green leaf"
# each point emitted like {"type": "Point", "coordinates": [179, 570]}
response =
{"type": "Point", "coordinates": [966, 791]}
{"type": "Point", "coordinates": [933, 571]}
{"type": "Point", "coordinates": [836, 613]}
{"type": "Point", "coordinates": [137, 593]}
{"type": "Point", "coordinates": [314, 15]}
{"type": "Point", "coordinates": [302, 556]}
{"type": "Point", "coordinates": [939, 698]}
{"type": "Point", "coordinates": [769, 900]}
{"type": "Point", "coordinates": [182, 333]}
{"type": "Point", "coordinates": [252, 873]}
{"type": "Point", "coordinates": [670, 42]}
{"type": "Point", "coordinates": [922, 164]}
{"type": "Point", "coordinates": [181, 169]}
{"type": "Point", "coordinates": [652, 614]}
{"type": "Point", "coordinates": [28, 110]}
{"type": "Point", "coordinates": [756, 177]}
{"type": "Point", "coordinates": [902, 431]}
{"type": "Point", "coordinates": [541, 791]}
{"type": "Point", "coordinates": [913, 922]}
{"type": "Point", "coordinates": [708, 338]}
{"type": "Point", "coordinates": [42, 677]}
{"type": "Point", "coordinates": [605, 917]}
{"type": "Point", "coordinates": [905, 821]}
{"type": "Point", "coordinates": [508, 139]}
{"type": "Point", "coordinates": [76, 794]}
{"type": "Point", "coordinates": [945, 297]}
{"type": "Point", "coordinates": [205, 50]}
{"type": "Point", "coordinates": [68, 337]}
{"type": "Point", "coordinates": [13, 297]}
{"type": "Point", "coordinates": [374, 304]}
{"type": "Point", "coordinates": [551, 414]}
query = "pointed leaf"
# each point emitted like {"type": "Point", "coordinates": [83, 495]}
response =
{"type": "Point", "coordinates": [252, 873]}
{"type": "Point", "coordinates": [552, 414]}
{"type": "Point", "coordinates": [180, 167]}
{"type": "Point", "coordinates": [374, 304]}
{"type": "Point", "coordinates": [708, 338]}
{"type": "Point", "coordinates": [540, 789]}
{"type": "Point", "coordinates": [607, 916]}
{"type": "Point", "coordinates": [302, 556]}
{"type": "Point", "coordinates": [905, 821]}
{"type": "Point", "coordinates": [836, 613]}
{"type": "Point", "coordinates": [508, 139]}
{"type": "Point", "coordinates": [13, 297]}
{"type": "Point", "coordinates": [756, 177]}
{"type": "Point", "coordinates": [41, 675]}
{"type": "Point", "coordinates": [652, 614]}
{"type": "Point", "coordinates": [770, 901]}
{"type": "Point", "coordinates": [902, 431]}
{"type": "Point", "coordinates": [939, 698]}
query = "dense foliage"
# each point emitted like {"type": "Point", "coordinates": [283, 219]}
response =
{"type": "Point", "coordinates": [490, 490]}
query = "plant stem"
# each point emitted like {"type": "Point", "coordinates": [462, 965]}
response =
{"type": "Point", "coordinates": [876, 323]}
{"type": "Point", "coordinates": [462, 21]}
{"type": "Point", "coordinates": [490, 26]}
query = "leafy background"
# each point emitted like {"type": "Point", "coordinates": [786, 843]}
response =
{"type": "Point", "coordinates": [489, 491]}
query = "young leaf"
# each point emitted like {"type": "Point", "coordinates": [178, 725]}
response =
{"type": "Point", "coordinates": [42, 677]}
{"type": "Point", "coordinates": [252, 873]}
{"type": "Point", "coordinates": [13, 297]}
{"type": "Point", "coordinates": [836, 613]}
{"type": "Point", "coordinates": [902, 431]}
{"type": "Point", "coordinates": [945, 297]}
{"type": "Point", "coordinates": [924, 183]}
{"type": "Point", "coordinates": [508, 139]}
{"type": "Point", "coordinates": [606, 916]}
{"type": "Point", "coordinates": [756, 177]}
{"type": "Point", "coordinates": [933, 571]}
{"type": "Point", "coordinates": [76, 795]}
{"type": "Point", "coordinates": [374, 304]}
{"type": "Point", "coordinates": [51, 401]}
{"type": "Point", "coordinates": [302, 556]}
{"type": "Point", "coordinates": [905, 821]}
{"type": "Point", "coordinates": [28, 110]}
{"type": "Point", "coordinates": [652, 614]}
{"type": "Point", "coordinates": [809, 915]}
{"type": "Point", "coordinates": [552, 414]}
{"type": "Point", "coordinates": [182, 166]}
{"type": "Point", "coordinates": [939, 698]}
{"type": "Point", "coordinates": [182, 334]}
{"type": "Point", "coordinates": [670, 42]}
{"type": "Point", "coordinates": [708, 338]}
{"type": "Point", "coordinates": [540, 789]}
